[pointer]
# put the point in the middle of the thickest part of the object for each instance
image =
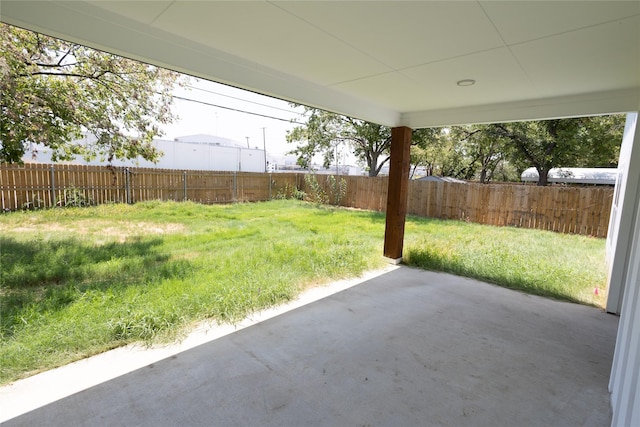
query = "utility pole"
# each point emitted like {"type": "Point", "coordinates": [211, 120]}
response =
{"type": "Point", "coordinates": [264, 146]}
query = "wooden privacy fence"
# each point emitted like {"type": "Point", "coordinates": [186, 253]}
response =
{"type": "Point", "coordinates": [578, 210]}
{"type": "Point", "coordinates": [43, 185]}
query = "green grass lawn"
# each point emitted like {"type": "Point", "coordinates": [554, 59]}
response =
{"type": "Point", "coordinates": [560, 266]}
{"type": "Point", "coordinates": [79, 281]}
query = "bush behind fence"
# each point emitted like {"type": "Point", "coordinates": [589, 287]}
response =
{"type": "Point", "coordinates": [578, 210]}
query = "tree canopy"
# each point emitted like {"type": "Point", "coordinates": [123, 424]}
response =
{"type": "Point", "coordinates": [482, 152]}
{"type": "Point", "coordinates": [547, 144]}
{"type": "Point", "coordinates": [463, 152]}
{"type": "Point", "coordinates": [323, 131]}
{"type": "Point", "coordinates": [53, 91]}
{"type": "Point", "coordinates": [502, 151]}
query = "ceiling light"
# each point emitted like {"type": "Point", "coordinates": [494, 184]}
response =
{"type": "Point", "coordinates": [466, 82]}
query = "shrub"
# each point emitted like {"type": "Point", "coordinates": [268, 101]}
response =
{"type": "Point", "coordinates": [290, 192]}
{"type": "Point", "coordinates": [337, 189]}
{"type": "Point", "coordinates": [315, 191]}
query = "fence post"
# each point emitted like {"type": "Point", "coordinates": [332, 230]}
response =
{"type": "Point", "coordinates": [184, 186]}
{"type": "Point", "coordinates": [54, 200]}
{"type": "Point", "coordinates": [270, 182]}
{"type": "Point", "coordinates": [235, 186]}
{"type": "Point", "coordinates": [127, 185]}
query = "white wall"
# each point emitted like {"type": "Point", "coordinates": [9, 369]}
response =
{"type": "Point", "coordinates": [625, 194]}
{"type": "Point", "coordinates": [624, 383]}
{"type": "Point", "coordinates": [184, 156]}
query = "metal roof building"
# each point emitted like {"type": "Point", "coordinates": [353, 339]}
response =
{"type": "Point", "coordinates": [596, 176]}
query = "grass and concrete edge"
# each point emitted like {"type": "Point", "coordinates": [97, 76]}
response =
{"type": "Point", "coordinates": [30, 393]}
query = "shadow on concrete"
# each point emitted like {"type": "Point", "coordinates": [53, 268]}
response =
{"type": "Point", "coordinates": [407, 348]}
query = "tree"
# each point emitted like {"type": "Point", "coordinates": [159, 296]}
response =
{"type": "Point", "coordinates": [579, 142]}
{"type": "Point", "coordinates": [426, 149]}
{"type": "Point", "coordinates": [51, 91]}
{"type": "Point", "coordinates": [441, 153]}
{"type": "Point", "coordinates": [323, 131]}
{"type": "Point", "coordinates": [603, 136]}
{"type": "Point", "coordinates": [486, 152]}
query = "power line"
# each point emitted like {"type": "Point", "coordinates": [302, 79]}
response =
{"type": "Point", "coordinates": [236, 109]}
{"type": "Point", "coordinates": [240, 99]}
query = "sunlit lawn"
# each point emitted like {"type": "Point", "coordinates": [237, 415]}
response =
{"type": "Point", "coordinates": [79, 281]}
{"type": "Point", "coordinates": [561, 266]}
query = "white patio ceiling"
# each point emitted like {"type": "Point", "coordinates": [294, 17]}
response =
{"type": "Point", "coordinates": [394, 63]}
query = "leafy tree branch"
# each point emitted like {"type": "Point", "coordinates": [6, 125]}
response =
{"type": "Point", "coordinates": [52, 92]}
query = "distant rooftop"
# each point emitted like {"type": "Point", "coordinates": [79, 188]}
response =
{"type": "Point", "coordinates": [602, 176]}
{"type": "Point", "coordinates": [441, 179]}
{"type": "Point", "coordinates": [209, 139]}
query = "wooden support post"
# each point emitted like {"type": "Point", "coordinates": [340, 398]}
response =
{"type": "Point", "coordinates": [397, 192]}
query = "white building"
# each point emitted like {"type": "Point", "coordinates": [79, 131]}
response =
{"type": "Point", "coordinates": [595, 176]}
{"type": "Point", "coordinates": [192, 152]}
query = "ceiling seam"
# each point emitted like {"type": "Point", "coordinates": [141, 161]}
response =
{"type": "Point", "coordinates": [363, 78]}
{"type": "Point", "coordinates": [575, 30]}
{"type": "Point", "coordinates": [332, 35]}
{"type": "Point", "coordinates": [162, 12]}
{"type": "Point", "coordinates": [449, 58]}
{"type": "Point", "coordinates": [506, 45]}
{"type": "Point", "coordinates": [400, 71]}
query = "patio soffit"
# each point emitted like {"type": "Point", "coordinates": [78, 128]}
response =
{"type": "Point", "coordinates": [394, 63]}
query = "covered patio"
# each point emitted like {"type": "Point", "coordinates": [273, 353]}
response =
{"type": "Point", "coordinates": [447, 353]}
{"type": "Point", "coordinates": [430, 349]}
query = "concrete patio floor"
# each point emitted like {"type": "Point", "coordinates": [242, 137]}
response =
{"type": "Point", "coordinates": [406, 348]}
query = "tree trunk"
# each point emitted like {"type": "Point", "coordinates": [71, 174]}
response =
{"type": "Point", "coordinates": [373, 165]}
{"type": "Point", "coordinates": [413, 171]}
{"type": "Point", "coordinates": [543, 177]}
{"type": "Point", "coordinates": [483, 175]}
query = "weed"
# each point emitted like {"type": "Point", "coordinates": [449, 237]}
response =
{"type": "Point", "coordinates": [315, 193]}
{"type": "Point", "coordinates": [337, 189]}
{"type": "Point", "coordinates": [35, 204]}
{"type": "Point", "coordinates": [75, 197]}
{"type": "Point", "coordinates": [290, 192]}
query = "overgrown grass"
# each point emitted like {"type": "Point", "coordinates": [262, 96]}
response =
{"type": "Point", "coordinates": [560, 266]}
{"type": "Point", "coordinates": [79, 281]}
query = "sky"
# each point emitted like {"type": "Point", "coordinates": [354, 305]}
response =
{"type": "Point", "coordinates": [202, 117]}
